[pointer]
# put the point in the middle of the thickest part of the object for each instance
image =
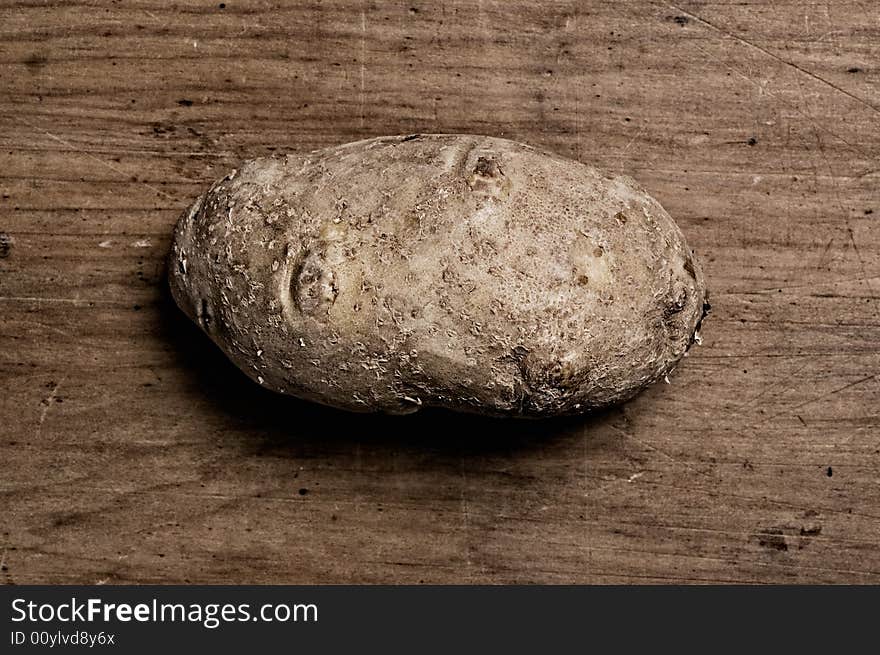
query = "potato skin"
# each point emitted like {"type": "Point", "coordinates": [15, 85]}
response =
{"type": "Point", "coordinates": [466, 272]}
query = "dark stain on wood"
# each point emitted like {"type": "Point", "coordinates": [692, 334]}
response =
{"type": "Point", "coordinates": [35, 61]}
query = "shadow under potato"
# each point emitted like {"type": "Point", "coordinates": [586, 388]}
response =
{"type": "Point", "coordinates": [284, 421]}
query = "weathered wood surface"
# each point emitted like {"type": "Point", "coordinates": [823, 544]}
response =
{"type": "Point", "coordinates": [132, 452]}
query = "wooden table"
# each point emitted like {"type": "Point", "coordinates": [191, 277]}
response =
{"type": "Point", "coordinates": [132, 452]}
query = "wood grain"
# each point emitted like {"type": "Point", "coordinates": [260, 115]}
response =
{"type": "Point", "coordinates": [133, 452]}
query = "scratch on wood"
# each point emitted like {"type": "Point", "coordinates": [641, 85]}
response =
{"type": "Point", "coordinates": [763, 90]}
{"type": "Point", "coordinates": [745, 41]}
{"type": "Point", "coordinates": [788, 410]}
{"type": "Point", "coordinates": [571, 22]}
{"type": "Point", "coordinates": [682, 463]}
{"type": "Point", "coordinates": [91, 156]}
{"type": "Point", "coordinates": [48, 402]}
{"type": "Point", "coordinates": [363, 63]}
{"type": "Point", "coordinates": [865, 277]}
{"type": "Point", "coordinates": [779, 392]}
{"type": "Point", "coordinates": [840, 205]}
{"type": "Point", "coordinates": [716, 491]}
{"type": "Point", "coordinates": [811, 286]}
{"type": "Point", "coordinates": [72, 301]}
{"type": "Point", "coordinates": [630, 142]}
{"type": "Point", "coordinates": [821, 263]}
{"type": "Point", "coordinates": [137, 151]}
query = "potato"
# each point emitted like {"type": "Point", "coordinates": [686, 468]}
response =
{"type": "Point", "coordinates": [466, 272]}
